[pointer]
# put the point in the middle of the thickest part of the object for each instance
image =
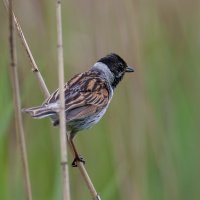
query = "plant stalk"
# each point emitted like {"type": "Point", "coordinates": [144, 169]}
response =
{"type": "Point", "coordinates": [63, 137]}
{"type": "Point", "coordinates": [17, 106]}
{"type": "Point", "coordinates": [46, 93]}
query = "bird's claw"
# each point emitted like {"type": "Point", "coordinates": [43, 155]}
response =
{"type": "Point", "coordinates": [78, 158]}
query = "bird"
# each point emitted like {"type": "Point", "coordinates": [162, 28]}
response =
{"type": "Point", "coordinates": [87, 97]}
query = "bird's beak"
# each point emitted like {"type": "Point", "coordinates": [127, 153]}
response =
{"type": "Point", "coordinates": [129, 69]}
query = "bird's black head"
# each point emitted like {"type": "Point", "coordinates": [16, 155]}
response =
{"type": "Point", "coordinates": [117, 66]}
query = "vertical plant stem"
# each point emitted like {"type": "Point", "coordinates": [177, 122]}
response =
{"type": "Point", "coordinates": [63, 136]}
{"type": "Point", "coordinates": [45, 91]}
{"type": "Point", "coordinates": [63, 130]}
{"type": "Point", "coordinates": [17, 102]}
{"type": "Point", "coordinates": [35, 69]}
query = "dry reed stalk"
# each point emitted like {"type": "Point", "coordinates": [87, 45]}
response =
{"type": "Point", "coordinates": [95, 195]}
{"type": "Point", "coordinates": [17, 104]}
{"type": "Point", "coordinates": [86, 178]}
{"type": "Point", "coordinates": [63, 137]}
{"type": "Point", "coordinates": [63, 131]}
{"type": "Point", "coordinates": [35, 69]}
{"type": "Point", "coordinates": [46, 93]}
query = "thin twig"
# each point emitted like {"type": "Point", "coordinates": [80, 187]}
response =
{"type": "Point", "coordinates": [63, 138]}
{"type": "Point", "coordinates": [35, 69]}
{"type": "Point", "coordinates": [46, 94]}
{"type": "Point", "coordinates": [83, 171]}
{"type": "Point", "coordinates": [88, 181]}
{"type": "Point", "coordinates": [95, 195]}
{"type": "Point", "coordinates": [63, 130]}
{"type": "Point", "coordinates": [17, 102]}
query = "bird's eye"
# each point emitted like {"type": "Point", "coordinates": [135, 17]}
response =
{"type": "Point", "coordinates": [121, 67]}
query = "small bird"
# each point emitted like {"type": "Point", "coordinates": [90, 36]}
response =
{"type": "Point", "coordinates": [87, 97]}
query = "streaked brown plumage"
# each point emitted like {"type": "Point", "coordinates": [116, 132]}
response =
{"type": "Point", "coordinates": [87, 96]}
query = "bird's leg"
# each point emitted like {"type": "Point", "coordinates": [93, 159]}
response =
{"type": "Point", "coordinates": [77, 157]}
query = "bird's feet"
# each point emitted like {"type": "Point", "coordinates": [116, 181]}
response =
{"type": "Point", "coordinates": [78, 158]}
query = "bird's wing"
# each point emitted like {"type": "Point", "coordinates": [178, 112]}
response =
{"type": "Point", "coordinates": [85, 94]}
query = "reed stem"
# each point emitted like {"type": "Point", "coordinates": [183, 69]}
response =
{"type": "Point", "coordinates": [35, 69]}
{"type": "Point", "coordinates": [17, 106]}
{"type": "Point", "coordinates": [63, 138]}
{"type": "Point", "coordinates": [46, 93]}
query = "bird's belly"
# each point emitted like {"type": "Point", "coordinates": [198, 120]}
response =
{"type": "Point", "coordinates": [85, 123]}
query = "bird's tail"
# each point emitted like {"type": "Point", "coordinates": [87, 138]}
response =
{"type": "Point", "coordinates": [39, 112]}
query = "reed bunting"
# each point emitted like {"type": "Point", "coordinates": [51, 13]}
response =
{"type": "Point", "coordinates": [87, 97]}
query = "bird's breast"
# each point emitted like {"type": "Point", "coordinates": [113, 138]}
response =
{"type": "Point", "coordinates": [87, 122]}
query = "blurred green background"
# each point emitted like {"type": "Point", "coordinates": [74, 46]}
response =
{"type": "Point", "coordinates": [147, 147]}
